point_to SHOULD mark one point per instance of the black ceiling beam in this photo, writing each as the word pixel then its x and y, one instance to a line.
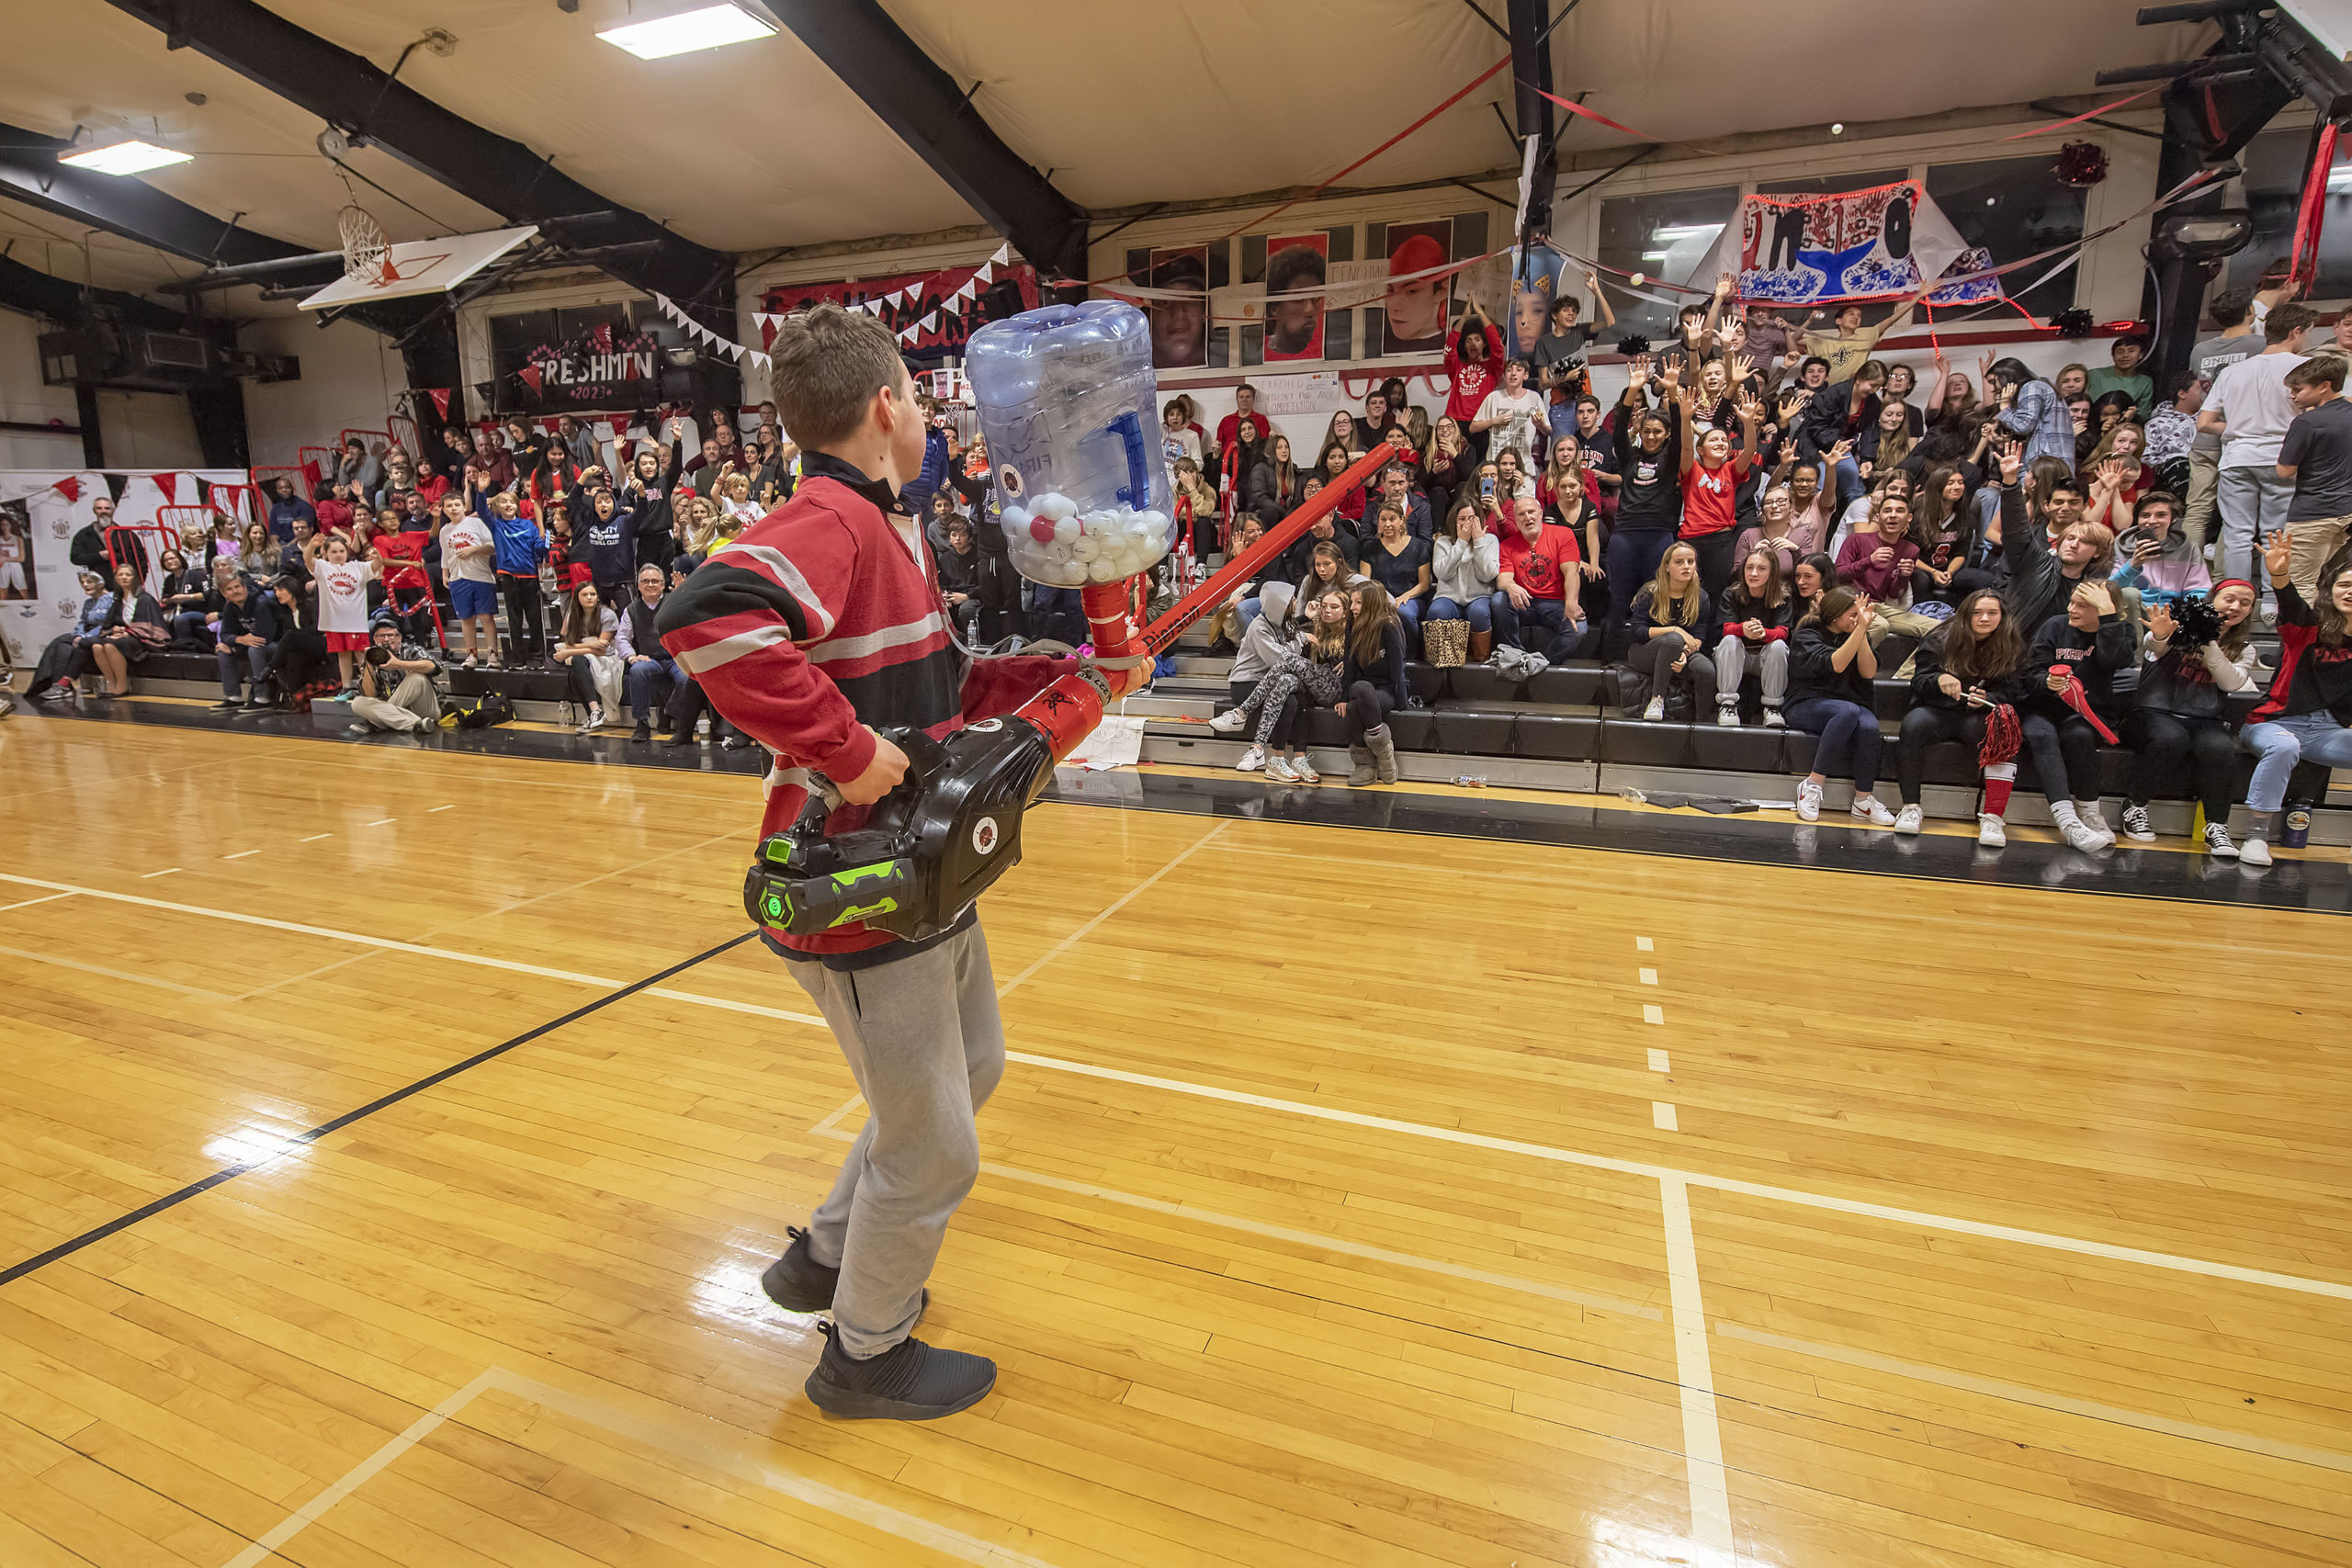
pixel 128 207
pixel 30 173
pixel 874 58
pixel 352 93
pixel 1531 61
pixel 37 293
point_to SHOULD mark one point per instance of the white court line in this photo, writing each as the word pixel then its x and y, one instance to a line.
pixel 1662 1116
pixel 136 980
pixel 316 837
pixel 1702 1438
pixel 1303 1238
pixel 1716 1183
pixel 1653 1013
pixel 28 902
pixel 1644 944
pixel 1659 1063
pixel 1649 976
pixel 2019 1393
pixel 1890 1212
pixel 1116 905
pixel 383 822
pixel 241 854
pixel 451 807
pixel 825 1129
pixel 712 1452
pixel 167 871
pixel 295 1522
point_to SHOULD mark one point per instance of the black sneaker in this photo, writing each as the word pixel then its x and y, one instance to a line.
pixel 798 1282
pixel 910 1381
pixel 228 704
pixel 641 735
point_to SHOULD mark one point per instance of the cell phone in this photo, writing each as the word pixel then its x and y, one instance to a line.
pixel 1486 490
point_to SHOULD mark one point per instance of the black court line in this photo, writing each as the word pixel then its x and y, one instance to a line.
pixel 230 1173
pixel 2179 876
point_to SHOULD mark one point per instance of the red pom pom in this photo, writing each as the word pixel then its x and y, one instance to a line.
pixel 1042 530
pixel 2082 163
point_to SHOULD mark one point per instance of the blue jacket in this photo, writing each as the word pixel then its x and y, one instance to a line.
pixel 520 547
pixel 2040 415
pixel 917 492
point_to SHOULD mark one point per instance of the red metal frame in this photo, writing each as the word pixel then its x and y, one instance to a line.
pixel 175 519
pixel 261 485
pixel 155 552
pixel 240 502
pixel 414 444
pixel 317 472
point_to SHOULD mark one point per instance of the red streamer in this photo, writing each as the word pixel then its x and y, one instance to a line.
pixel 1590 114
pixel 1460 94
pixel 2308 218
pixel 2078 120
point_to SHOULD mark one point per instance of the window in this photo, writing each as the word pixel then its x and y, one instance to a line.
pixel 1667 236
pixel 2274 191
pixel 2015 208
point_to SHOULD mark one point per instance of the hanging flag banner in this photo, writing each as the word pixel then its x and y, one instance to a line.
pixel 926 310
pixel 1888 242
pixel 440 396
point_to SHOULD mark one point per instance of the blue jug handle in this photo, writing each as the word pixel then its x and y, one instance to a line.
pixel 1128 428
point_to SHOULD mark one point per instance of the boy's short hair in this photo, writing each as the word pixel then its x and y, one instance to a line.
pixel 2288 322
pixel 2319 370
pixel 2158 498
pixel 1810 361
pixel 2229 307
pixel 829 363
pixel 1521 363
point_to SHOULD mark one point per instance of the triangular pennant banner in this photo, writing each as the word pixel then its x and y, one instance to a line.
pixel 530 374
pixel 440 396
pixel 170 485
pixel 988 270
pixel 70 487
pixel 759 359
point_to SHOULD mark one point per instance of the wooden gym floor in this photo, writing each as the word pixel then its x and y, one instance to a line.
pixel 1339 1207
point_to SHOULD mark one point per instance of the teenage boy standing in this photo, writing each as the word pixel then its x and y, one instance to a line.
pixel 819 624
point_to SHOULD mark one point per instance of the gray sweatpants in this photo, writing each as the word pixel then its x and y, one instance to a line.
pixel 924 1040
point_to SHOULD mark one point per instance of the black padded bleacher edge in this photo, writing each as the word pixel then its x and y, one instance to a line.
pixel 1477 711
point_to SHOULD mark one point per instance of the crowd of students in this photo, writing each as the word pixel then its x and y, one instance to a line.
pixel 1759 524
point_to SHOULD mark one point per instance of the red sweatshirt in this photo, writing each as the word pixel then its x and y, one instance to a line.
pixel 821 618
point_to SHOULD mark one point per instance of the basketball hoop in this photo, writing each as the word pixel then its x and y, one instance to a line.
pixel 367 255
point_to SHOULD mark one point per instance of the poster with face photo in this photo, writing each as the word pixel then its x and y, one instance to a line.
pixel 1180 329
pixel 1294 327
pixel 1417 309
pixel 1535 284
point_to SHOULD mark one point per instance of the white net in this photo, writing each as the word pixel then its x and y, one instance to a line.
pixel 364 246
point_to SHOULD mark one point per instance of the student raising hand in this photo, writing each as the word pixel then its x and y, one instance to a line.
pixel 2276 550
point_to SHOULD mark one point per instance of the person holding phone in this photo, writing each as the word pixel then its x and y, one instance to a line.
pixel 1830 670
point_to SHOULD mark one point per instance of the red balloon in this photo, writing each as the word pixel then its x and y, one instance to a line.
pixel 1042 530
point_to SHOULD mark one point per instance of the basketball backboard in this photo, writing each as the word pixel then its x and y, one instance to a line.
pixel 424 266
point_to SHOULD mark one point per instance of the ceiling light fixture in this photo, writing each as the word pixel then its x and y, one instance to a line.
pixel 124 158
pixel 708 27
pixel 1672 231
pixel 1657 255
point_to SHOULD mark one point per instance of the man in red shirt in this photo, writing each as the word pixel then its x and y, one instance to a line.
pixel 819 625
pixel 1245 406
pixel 1535 603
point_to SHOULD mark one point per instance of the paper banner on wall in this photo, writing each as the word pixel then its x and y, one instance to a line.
pixel 1883 242
pixel 170 485
pixel 530 374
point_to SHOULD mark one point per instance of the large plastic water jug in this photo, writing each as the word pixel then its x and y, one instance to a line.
pixel 1069 406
